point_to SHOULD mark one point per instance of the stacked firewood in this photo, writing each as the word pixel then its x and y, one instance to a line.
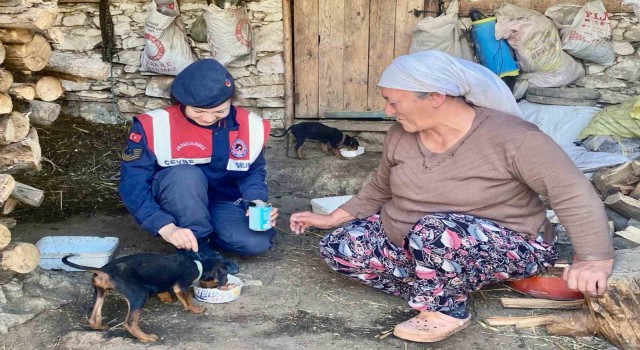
pixel 27 95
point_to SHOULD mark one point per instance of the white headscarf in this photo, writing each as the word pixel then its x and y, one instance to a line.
pixel 436 71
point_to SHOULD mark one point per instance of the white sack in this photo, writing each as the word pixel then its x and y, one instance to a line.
pixel 442 33
pixel 166 48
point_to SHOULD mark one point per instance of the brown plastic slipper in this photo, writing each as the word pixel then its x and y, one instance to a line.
pixel 429 327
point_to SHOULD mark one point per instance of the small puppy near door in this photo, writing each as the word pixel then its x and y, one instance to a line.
pixel 332 139
pixel 139 275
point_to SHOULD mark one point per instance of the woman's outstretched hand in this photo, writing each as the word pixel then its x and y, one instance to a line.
pixel 299 222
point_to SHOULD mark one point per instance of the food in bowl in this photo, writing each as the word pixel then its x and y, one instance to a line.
pixel 210 292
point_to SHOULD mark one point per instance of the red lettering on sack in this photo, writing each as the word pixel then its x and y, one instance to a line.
pixel 159 47
pixel 240 34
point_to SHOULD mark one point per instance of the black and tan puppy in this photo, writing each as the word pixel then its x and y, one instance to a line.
pixel 139 275
pixel 332 139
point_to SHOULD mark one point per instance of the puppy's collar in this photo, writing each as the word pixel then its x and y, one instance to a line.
pixel 199 265
pixel 344 136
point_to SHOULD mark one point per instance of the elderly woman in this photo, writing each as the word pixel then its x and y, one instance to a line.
pixel 455 203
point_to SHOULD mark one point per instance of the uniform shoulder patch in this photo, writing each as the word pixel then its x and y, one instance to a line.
pixel 130 154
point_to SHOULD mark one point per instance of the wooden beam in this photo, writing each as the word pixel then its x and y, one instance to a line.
pixel 487 7
pixel 288 63
pixel 524 303
pixel 357 115
pixel 350 125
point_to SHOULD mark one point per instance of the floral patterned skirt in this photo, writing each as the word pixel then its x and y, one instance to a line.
pixel 444 257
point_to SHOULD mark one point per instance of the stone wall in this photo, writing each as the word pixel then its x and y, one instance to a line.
pixel 260 86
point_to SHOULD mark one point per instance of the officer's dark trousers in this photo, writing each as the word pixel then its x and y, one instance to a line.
pixel 182 191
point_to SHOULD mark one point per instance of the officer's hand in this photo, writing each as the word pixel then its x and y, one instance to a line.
pixel 589 277
pixel 181 238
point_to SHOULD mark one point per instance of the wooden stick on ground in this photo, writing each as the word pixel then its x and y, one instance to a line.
pixel 524 303
pixel 7 130
pixel 23 155
pixel 43 113
pixel 6 105
pixel 7 186
pixel 5 236
pixel 22 91
pixel 48 89
pixel 6 79
pixel 9 205
pixel 19 257
pixel 21 124
pixel 27 194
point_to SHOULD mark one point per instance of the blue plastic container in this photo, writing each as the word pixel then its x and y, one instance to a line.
pixel 493 54
pixel 260 216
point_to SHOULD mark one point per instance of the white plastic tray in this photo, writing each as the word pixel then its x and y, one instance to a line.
pixel 326 205
pixel 89 250
pixel 217 296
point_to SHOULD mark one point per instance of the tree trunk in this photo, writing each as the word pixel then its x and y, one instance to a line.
pixel 23 91
pixel 20 258
pixel 6 79
pixel 21 124
pixel 27 194
pixel 5 236
pixel 6 105
pixel 9 205
pixel 16 35
pixel 72 64
pixel 48 89
pixel 23 155
pixel 32 56
pixel 7 186
pixel 32 18
pixel 7 130
pixel 43 113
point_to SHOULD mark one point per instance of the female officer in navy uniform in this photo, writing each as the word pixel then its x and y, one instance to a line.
pixel 186 167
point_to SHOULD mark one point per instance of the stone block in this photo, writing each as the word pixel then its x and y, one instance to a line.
pixel 95 112
pixel 261 91
pixel 270 102
pixel 127 90
pixel 269 37
pixel 632 34
pixel 612 97
pixel 239 72
pixel 73 42
pixel 139 17
pixel 617 34
pixel 133 43
pixel 131 57
pixel 600 82
pixel 121 28
pixel 85 31
pixel 68 85
pixel 623 48
pixel 269 6
pixel 76 19
pixel 126 106
pixel 271 65
pixel 260 80
pixel 594 68
pixel 159 86
pixel 627 69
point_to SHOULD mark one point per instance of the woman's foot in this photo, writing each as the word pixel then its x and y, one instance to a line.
pixel 429 327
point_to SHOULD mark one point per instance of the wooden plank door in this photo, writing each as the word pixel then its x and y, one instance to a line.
pixel 341 48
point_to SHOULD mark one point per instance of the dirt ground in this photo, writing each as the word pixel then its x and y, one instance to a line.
pixel 291 300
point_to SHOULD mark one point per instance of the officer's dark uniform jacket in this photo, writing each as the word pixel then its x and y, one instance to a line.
pixel 229 153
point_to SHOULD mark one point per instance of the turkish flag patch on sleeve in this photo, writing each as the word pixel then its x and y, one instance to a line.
pixel 135 137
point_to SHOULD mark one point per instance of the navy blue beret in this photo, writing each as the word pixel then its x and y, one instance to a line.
pixel 203 84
